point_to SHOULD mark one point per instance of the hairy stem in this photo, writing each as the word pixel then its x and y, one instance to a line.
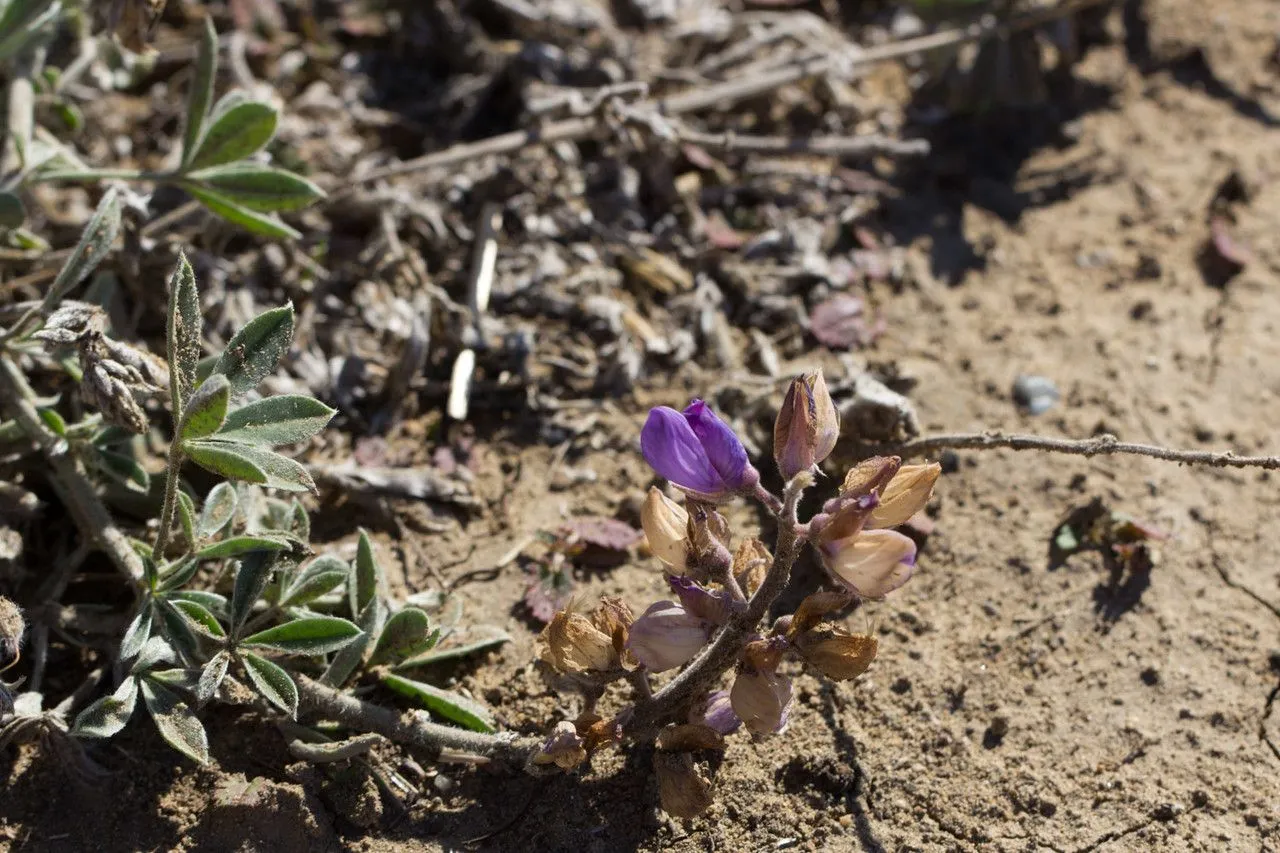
pixel 70 482
pixel 507 748
pixel 714 660
pixel 170 507
pixel 1101 445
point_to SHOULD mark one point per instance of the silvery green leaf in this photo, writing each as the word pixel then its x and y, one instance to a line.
pixel 175 720
pixel 95 242
pixel 272 682
pixel 154 651
pixel 12 213
pixel 367 578
pixel 252 577
pixel 201 95
pixel 316 635
pixel 137 634
pixel 219 509
pixel 346 661
pixel 211 676
pixel 211 601
pixel 256 187
pixel 184 330
pixel 320 576
pixel 250 464
pixel 299 521
pixel 174 576
pixel 121 468
pixel 178 628
pixel 237 129
pixel 287 419
pixel 206 409
pixel 253 352
pixel 199 617
pixel 262 224
pixel 406 633
pixel 237 545
pixel 444 703
pixel 22 21
pixel 454 652
pixel 109 715
pixel 187 516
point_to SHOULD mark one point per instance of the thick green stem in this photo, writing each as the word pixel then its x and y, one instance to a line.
pixel 68 479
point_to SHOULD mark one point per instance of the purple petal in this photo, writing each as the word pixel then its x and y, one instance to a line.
pixel 672 449
pixel 722 447
pixel 873 563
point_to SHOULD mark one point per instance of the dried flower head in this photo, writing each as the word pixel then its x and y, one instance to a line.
pixel 905 495
pixel 666 525
pixel 682 790
pixel 564 748
pixel 871 563
pixel 807 426
pixel 835 652
pixel 667 636
pixel 12 627
pixel 574 643
pixel 761 700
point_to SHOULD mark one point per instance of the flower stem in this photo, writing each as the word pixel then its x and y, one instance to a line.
pixel 715 659
pixel 170 506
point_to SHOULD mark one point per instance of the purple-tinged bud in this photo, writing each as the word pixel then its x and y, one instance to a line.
pixel 710 605
pixel 565 748
pixel 697 451
pixel 666 636
pixel 717 714
pixel 807 426
pixel 761 700
pixel 872 563
pixel 708 540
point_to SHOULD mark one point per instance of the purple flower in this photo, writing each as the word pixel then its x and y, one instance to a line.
pixel 696 450
pixel 717 714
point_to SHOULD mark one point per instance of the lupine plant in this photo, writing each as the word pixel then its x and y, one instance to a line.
pixel 711 625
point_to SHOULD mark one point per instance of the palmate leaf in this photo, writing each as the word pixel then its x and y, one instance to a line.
pixel 445 703
pixel 272 682
pixel 254 351
pixel 253 186
pixel 184 330
pixel 175 720
pixel 287 419
pixel 314 635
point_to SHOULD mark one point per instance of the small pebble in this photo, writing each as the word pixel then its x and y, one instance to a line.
pixel 1035 394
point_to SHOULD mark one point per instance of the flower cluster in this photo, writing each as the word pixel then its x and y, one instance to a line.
pixel 719 592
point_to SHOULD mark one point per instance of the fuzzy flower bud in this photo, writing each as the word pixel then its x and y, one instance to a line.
pixel 871 563
pixel 807 426
pixel 836 653
pixel 717 714
pixel 666 636
pixel 905 495
pixel 761 700
pixel 696 451
pixel 564 748
pixel 666 525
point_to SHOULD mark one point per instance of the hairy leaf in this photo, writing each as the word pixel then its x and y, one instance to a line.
pixel 175 720
pixel 254 351
pixel 137 634
pixel 219 508
pixel 276 420
pixel 211 601
pixel 95 243
pixel 406 633
pixel 315 635
pixel 321 576
pixel 154 651
pixel 174 576
pixel 237 545
pixel 262 224
pixel 445 703
pixel 109 715
pixel 200 618
pixel 251 581
pixel 123 469
pixel 256 187
pixel 206 410
pixel 183 331
pixel 272 682
pixel 211 676
pixel 454 652
pixel 237 129
pixel 368 575
pixel 346 661
pixel 201 95
pixel 250 464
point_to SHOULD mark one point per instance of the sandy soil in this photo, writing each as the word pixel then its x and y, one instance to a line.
pixel 1015 705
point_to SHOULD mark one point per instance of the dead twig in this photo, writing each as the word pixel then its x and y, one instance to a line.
pixel 1101 445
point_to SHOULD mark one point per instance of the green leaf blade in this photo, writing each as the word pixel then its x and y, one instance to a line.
pixel 237 129
pixel 95 242
pixel 287 419
pixel 252 186
pixel 407 633
pixel 175 721
pixel 253 352
pixel 184 329
pixel 275 685
pixel 321 576
pixel 261 224
pixel 238 545
pixel 218 510
pixel 206 410
pixel 444 703
pixel 110 714
pixel 250 463
pixel 201 95
pixel 314 635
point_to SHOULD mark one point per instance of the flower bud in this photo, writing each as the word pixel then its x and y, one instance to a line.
pixel 836 653
pixel 573 644
pixel 717 714
pixel 709 605
pixel 761 700
pixel 666 525
pixel 696 451
pixel 871 563
pixel 807 426
pixel 905 495
pixel 709 539
pixel 564 748
pixel 666 636
pixel 682 790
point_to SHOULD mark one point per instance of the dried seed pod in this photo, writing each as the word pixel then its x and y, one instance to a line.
pixel 682 790
pixel 836 653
